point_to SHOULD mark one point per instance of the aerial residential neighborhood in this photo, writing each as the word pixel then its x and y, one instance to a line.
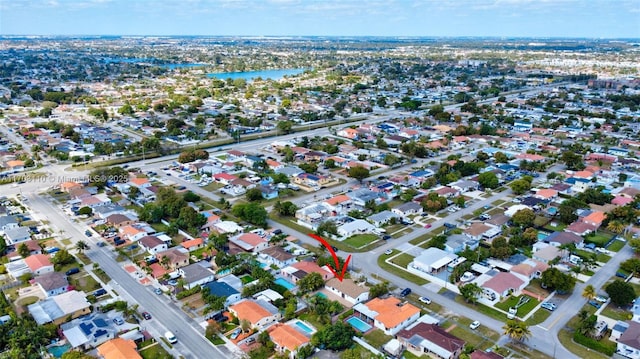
pixel 303 197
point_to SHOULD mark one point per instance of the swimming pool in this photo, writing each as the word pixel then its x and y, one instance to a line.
pixel 283 282
pixel 58 350
pixel 359 324
pixel 542 236
pixel 305 328
pixel 322 295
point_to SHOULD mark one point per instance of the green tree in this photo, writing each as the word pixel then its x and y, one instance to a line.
pixel 85 211
pixel 500 248
pixel 553 278
pixel 621 293
pixel 23 250
pixel 573 161
pixel 520 186
pixel 334 337
pixel 190 197
pixel 253 213
pixel 488 180
pixel 379 289
pixel 254 195
pixel 81 246
pixel 75 355
pixel 524 218
pixel 327 227
pixel 589 292
pixel 500 157
pixel 517 330
pixel 287 208
pixel 470 292
pixel 359 173
pixel 310 282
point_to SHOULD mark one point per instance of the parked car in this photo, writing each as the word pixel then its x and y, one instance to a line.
pixel 595 304
pixel 99 292
pixel 549 306
pixel 73 270
pixel 405 292
pixel 386 237
pixel 173 282
pixel 88 233
pixel 428 225
pixel 171 337
pixel 157 291
pixel 475 325
pixel 236 333
pixel 425 300
pixel 601 298
pixel 146 315
pixel 388 251
pixel 118 320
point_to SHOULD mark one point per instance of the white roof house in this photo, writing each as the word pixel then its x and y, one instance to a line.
pixel 432 260
pixel 356 227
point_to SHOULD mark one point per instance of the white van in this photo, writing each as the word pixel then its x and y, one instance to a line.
pixel 170 337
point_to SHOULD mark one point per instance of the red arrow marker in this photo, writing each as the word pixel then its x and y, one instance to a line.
pixel 335 271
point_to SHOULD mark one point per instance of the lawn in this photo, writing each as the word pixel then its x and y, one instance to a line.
pixel 617 245
pixel 377 338
pixel 155 352
pixel 426 237
pixel 246 279
pixel 399 272
pixel 483 309
pixel 160 227
pixel 471 338
pixel 86 283
pixel 534 287
pixel 538 317
pixel 600 238
pixel 613 312
pixel 360 240
pixel 102 275
pixel 512 301
pixel 558 227
pixel 409 355
pixel 403 260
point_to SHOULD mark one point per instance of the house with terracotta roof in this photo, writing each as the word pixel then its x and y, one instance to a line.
pixel 349 133
pixel 432 340
pixel 530 269
pixel 68 186
pixel 299 270
pixel 139 182
pixel 15 165
pixel 39 264
pixel 261 314
pixel 224 178
pixel 595 218
pixel 546 194
pixel 348 290
pixel 389 314
pixel 287 338
pixel 132 233
pixel 152 244
pixel 503 284
pixel 530 157
pixel 119 348
pixel 193 244
pixel 250 242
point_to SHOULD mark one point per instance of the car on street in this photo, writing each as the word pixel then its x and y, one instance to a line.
pixel 146 315
pixel 549 306
pixel 99 292
pixel 335 249
pixel 428 225
pixel 157 291
pixel 405 292
pixel 118 320
pixel 601 298
pixel 388 251
pixel 386 237
pixel 425 300
pixel 171 337
pixel 474 325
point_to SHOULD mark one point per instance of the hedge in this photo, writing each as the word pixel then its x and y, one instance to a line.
pixel 605 348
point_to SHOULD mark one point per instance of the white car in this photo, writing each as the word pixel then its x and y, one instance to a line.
pixel 388 251
pixel 474 325
pixel 425 300
pixel 171 337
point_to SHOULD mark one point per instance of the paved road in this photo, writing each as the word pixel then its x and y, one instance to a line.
pixel 166 315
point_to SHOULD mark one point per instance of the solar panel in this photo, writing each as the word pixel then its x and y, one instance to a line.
pixel 86 328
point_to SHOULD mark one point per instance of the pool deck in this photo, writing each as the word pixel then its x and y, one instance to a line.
pixel 332 296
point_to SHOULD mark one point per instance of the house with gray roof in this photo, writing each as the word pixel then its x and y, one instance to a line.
pixel 89 331
pixel 358 226
pixel 52 283
pixel 7 222
pixel 381 218
pixel 195 274
pixel 407 209
pixel 361 196
pixel 457 243
pixel 17 235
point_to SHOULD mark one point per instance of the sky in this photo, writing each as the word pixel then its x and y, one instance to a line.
pixel 430 18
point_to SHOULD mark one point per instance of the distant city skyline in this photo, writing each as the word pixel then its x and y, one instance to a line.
pixel 428 18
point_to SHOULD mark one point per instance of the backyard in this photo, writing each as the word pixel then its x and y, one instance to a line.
pixel 360 240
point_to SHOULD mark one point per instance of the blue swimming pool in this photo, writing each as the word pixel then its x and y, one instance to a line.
pixel 304 327
pixel 58 350
pixel 283 282
pixel 322 295
pixel 542 236
pixel 359 324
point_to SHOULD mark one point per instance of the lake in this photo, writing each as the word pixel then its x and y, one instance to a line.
pixel 250 75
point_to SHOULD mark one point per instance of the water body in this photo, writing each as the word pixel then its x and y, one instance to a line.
pixel 250 75
pixel 150 62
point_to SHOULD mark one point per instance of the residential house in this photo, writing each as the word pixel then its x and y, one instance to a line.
pixel 479 230
pixel 223 290
pixel 432 260
pixel 465 185
pixel 7 222
pixel 175 258
pixel 348 290
pixel 52 283
pixel 447 192
pixel 287 339
pixel 259 313
pixel 69 186
pixel 349 133
pixel 119 348
pixel 277 256
pixel 39 264
pixel 152 244
pixel 89 331
pixel 381 218
pixel 408 209
pixel 560 238
pixel 629 342
pixel 250 242
pixel 479 354
pixel 313 181
pixel 132 233
pixel 195 274
pixel 432 340
pixel 361 196
pixel 530 269
pixel 17 235
pixel 389 314
pixel 457 243
pixel 118 220
pixel 503 284
pixel 59 308
pixel 269 192
pixel 635 309
pixel 193 244
pixel 311 216
pixel 299 270
pixel 546 194
pixel 357 226
pixel 550 253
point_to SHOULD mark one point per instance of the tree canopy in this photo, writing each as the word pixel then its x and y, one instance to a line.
pixel 621 293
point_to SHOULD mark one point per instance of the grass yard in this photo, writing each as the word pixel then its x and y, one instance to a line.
pixel 600 238
pixel 403 260
pixel 471 338
pixel 557 227
pixel 616 246
pixel 155 352
pixel 538 317
pixel 512 301
pixel 425 237
pixel 160 227
pixel 246 279
pixel 483 309
pixel 86 284
pixel 360 240
pixel 377 338
pixel 102 275
pixel 399 272
pixel 613 312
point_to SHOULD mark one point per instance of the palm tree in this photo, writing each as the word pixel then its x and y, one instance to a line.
pixel 81 246
pixel 615 227
pixel 517 330
pixel 589 292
